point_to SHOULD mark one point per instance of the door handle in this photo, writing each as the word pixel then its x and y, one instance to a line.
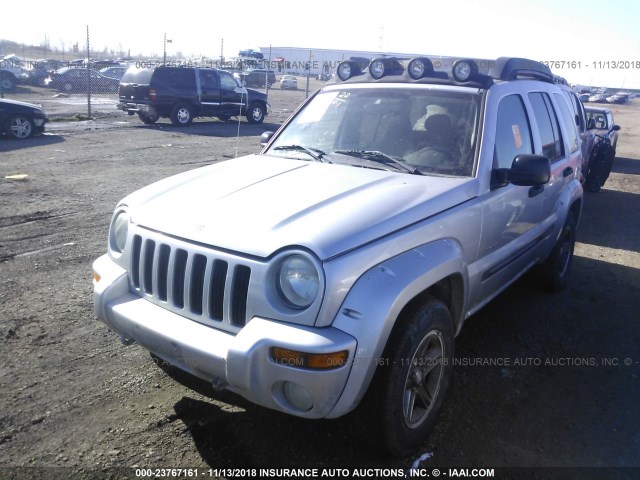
pixel 535 191
pixel 567 171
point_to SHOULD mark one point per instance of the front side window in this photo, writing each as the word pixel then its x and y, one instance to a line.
pixel 430 130
pixel 513 134
pixel 227 82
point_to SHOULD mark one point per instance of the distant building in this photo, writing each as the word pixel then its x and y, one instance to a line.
pixel 321 61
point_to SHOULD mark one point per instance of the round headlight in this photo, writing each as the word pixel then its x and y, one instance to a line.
pixel 119 229
pixel 463 70
pixel 376 69
pixel 298 281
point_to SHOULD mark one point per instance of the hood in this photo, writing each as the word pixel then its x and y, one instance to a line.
pixel 21 104
pixel 259 204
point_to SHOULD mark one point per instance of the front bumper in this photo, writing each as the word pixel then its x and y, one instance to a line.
pixel 240 363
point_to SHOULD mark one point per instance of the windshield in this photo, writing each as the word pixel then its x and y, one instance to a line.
pixel 433 131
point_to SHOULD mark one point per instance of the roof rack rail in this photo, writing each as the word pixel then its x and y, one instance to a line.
pixel 508 68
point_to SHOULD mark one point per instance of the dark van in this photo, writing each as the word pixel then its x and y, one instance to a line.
pixel 183 93
pixel 258 78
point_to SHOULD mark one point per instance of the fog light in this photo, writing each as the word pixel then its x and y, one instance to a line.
pixel 297 396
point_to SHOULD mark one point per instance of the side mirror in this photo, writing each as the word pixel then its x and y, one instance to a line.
pixel 530 170
pixel 526 170
pixel 265 138
pixel 615 128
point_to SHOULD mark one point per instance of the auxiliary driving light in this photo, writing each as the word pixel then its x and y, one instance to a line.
pixel 464 70
pixel 348 69
pixel 419 67
pixel 377 68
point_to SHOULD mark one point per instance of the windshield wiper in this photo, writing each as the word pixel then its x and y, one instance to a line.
pixel 314 153
pixel 379 157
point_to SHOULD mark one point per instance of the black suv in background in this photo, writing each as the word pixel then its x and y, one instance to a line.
pixel 258 78
pixel 183 93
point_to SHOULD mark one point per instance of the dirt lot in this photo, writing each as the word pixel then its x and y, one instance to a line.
pixel 73 397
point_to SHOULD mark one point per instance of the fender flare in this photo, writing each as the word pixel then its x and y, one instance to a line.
pixel 376 300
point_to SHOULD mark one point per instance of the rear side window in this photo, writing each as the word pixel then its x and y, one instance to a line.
pixel 569 122
pixel 176 78
pixel 137 75
pixel 552 146
pixel 513 134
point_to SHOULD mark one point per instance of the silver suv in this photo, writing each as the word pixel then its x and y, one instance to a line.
pixel 336 267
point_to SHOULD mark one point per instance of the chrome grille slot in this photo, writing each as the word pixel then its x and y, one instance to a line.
pixel 190 280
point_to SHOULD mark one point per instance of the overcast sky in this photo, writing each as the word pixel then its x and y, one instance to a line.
pixel 601 38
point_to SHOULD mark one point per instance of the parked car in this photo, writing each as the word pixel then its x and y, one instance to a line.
pixel 72 79
pixel 586 136
pixel 41 70
pixel 258 78
pixel 598 98
pixel 114 72
pixel 600 122
pixel 12 73
pixel 288 82
pixel 21 120
pixel 336 267
pixel 183 93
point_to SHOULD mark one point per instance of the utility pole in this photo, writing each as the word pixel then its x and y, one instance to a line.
pixel 88 76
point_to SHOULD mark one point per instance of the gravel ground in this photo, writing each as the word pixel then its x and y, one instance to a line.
pixel 76 403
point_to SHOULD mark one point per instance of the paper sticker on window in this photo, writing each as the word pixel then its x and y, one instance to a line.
pixel 517 139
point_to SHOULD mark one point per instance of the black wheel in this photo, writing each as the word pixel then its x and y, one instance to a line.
pixel 553 274
pixel 7 83
pixel 593 183
pixel 19 126
pixel 182 115
pixel 148 119
pixel 256 113
pixel 410 384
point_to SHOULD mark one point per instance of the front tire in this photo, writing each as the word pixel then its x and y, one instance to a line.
pixel 182 115
pixel 408 390
pixel 256 113
pixel 19 127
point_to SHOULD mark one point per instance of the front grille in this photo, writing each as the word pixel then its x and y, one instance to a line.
pixel 191 281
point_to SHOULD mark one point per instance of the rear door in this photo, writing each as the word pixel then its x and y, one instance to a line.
pixel 557 139
pixel 209 91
